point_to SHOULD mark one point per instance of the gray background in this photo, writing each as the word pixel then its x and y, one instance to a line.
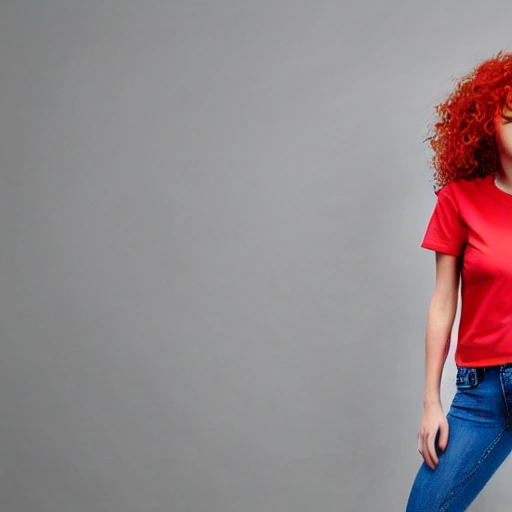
pixel 212 292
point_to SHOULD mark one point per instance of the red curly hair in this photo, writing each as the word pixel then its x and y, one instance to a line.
pixel 463 139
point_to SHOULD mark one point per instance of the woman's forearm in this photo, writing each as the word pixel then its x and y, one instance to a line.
pixel 441 315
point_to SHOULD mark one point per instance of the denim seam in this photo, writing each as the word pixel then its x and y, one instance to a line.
pixel 462 483
pixel 504 396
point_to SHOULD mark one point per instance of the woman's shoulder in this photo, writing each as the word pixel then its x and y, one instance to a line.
pixel 464 187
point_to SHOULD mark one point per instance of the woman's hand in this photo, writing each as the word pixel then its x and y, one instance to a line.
pixel 433 421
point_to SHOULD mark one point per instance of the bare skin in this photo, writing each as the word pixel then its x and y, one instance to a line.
pixel 441 315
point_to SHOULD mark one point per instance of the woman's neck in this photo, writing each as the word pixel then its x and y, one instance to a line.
pixel 503 181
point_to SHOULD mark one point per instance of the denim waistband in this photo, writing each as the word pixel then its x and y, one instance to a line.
pixel 471 375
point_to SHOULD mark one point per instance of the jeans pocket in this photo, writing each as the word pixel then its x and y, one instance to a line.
pixel 468 377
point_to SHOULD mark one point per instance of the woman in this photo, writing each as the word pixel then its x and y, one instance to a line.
pixel 470 231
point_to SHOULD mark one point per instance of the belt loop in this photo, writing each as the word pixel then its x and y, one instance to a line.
pixel 469 377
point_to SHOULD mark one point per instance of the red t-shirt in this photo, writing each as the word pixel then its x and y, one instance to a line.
pixel 473 220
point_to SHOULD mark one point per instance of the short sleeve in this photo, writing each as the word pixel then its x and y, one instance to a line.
pixel 445 232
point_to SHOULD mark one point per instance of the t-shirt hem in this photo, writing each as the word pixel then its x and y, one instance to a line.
pixel 494 361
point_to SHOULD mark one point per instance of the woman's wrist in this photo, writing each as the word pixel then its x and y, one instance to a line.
pixel 431 402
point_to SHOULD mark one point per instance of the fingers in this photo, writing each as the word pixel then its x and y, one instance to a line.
pixel 427 447
pixel 431 449
pixel 423 448
pixel 443 435
pixel 433 436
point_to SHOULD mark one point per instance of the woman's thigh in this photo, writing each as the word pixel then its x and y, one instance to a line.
pixel 479 441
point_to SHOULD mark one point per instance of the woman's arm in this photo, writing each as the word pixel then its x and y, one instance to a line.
pixel 441 315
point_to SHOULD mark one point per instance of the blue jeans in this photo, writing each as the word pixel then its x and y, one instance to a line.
pixel 479 440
